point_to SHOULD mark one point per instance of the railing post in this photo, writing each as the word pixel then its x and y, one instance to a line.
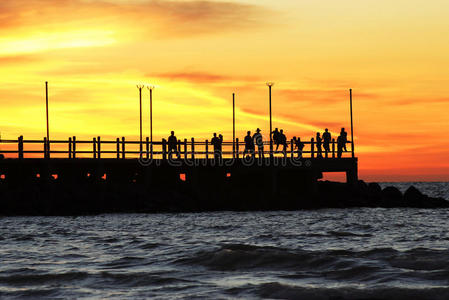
pixel 312 145
pixel 147 146
pixel 207 150
pixel 178 146
pixel 185 148
pixel 94 146
pixel 151 149
pixel 45 148
pixel 118 148
pixel 99 148
pixel 164 149
pixel 20 146
pixel 352 148
pixel 291 148
pixel 74 146
pixel 70 147
pixel 333 148
pixel 123 147
pixel 193 148
pixel 48 148
pixel 237 154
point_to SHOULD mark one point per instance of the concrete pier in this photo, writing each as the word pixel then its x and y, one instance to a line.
pixel 277 183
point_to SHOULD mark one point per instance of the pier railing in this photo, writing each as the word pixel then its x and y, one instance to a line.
pixel 120 148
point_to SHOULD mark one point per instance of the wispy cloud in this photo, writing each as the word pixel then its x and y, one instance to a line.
pixel 16 59
pixel 159 18
pixel 417 101
pixel 323 96
pixel 202 77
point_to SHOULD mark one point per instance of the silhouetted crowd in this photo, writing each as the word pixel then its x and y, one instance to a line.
pixel 322 141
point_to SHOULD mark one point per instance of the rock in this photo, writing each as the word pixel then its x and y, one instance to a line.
pixel 374 194
pixel 392 197
pixel 413 197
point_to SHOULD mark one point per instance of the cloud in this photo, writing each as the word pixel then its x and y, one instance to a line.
pixel 201 77
pixel 158 18
pixel 17 59
pixel 427 100
pixel 198 77
pixel 323 96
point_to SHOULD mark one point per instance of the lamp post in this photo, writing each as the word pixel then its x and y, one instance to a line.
pixel 140 87
pixel 151 88
pixel 233 125
pixel 47 154
pixel 352 126
pixel 270 84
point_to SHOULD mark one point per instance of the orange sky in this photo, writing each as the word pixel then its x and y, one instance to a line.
pixel 393 54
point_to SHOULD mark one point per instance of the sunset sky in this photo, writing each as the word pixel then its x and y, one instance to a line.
pixel 393 54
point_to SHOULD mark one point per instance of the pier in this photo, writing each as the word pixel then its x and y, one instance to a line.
pixel 75 176
pixel 58 156
pixel 94 176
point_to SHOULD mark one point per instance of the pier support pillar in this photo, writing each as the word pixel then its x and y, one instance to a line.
pixel 352 176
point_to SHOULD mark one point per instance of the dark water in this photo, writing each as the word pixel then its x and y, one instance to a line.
pixel 322 254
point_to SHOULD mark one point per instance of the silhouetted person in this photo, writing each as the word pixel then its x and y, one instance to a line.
pixel 275 136
pixel 340 145
pixel 319 151
pixel 344 136
pixel 216 142
pixel 173 144
pixel 220 136
pixel 326 141
pixel 299 145
pixel 249 144
pixel 220 145
pixel 283 141
pixel 258 140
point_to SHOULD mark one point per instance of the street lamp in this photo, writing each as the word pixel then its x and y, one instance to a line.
pixel 140 87
pixel 47 146
pixel 270 84
pixel 233 125
pixel 352 126
pixel 151 88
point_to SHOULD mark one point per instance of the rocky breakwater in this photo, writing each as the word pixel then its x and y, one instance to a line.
pixel 362 194
pixel 54 197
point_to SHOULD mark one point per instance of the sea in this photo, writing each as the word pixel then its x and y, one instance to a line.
pixel 359 253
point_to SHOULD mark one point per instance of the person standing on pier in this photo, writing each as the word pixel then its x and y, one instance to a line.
pixel 326 141
pixel 249 144
pixel 299 145
pixel 220 146
pixel 258 140
pixel 275 136
pixel 340 145
pixel 318 146
pixel 344 136
pixel 173 144
pixel 217 142
pixel 283 141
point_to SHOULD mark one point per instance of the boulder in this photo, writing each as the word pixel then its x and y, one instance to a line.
pixel 392 197
pixel 374 194
pixel 414 198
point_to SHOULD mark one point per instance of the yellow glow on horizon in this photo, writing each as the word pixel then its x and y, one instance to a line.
pixel 56 40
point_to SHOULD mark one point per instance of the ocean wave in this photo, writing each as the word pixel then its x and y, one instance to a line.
pixel 242 256
pixel 276 290
pixel 124 262
pixel 337 264
pixel 38 279
pixel 138 279
pixel 347 233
